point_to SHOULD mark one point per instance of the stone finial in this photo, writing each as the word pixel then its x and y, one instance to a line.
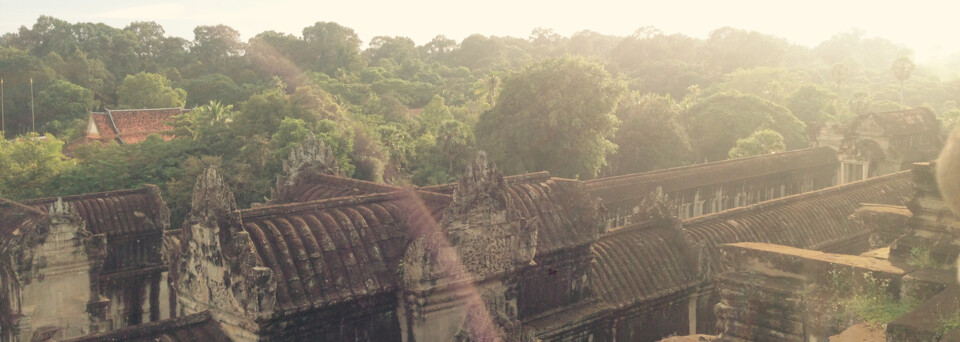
pixel 212 198
pixel 312 155
pixel 656 206
pixel 62 212
pixel 59 208
pixel 482 186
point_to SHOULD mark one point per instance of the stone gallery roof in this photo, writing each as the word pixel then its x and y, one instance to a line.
pixel 197 327
pixel 16 221
pixel 131 126
pixel 567 218
pixel 115 213
pixel 521 178
pixel 556 201
pixel 633 186
pixel 320 186
pixel 642 262
pixel 338 249
pixel 559 204
pixel 331 251
pixel 901 122
pixel 815 220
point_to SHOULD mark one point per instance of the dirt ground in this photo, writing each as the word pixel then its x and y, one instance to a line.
pixel 862 332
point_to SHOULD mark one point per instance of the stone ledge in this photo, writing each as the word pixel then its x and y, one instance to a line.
pixel 923 323
pixel 784 261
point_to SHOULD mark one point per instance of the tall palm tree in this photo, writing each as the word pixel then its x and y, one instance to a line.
pixel 839 74
pixel 902 67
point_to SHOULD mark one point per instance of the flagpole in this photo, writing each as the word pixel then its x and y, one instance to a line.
pixel 2 121
pixel 33 114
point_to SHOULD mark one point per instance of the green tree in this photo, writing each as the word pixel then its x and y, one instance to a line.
pixel 435 113
pixel 150 43
pixel 212 87
pixel 811 103
pixel 715 124
pixel 902 68
pixel 455 142
pixel 556 115
pixel 443 157
pixel 438 48
pixel 764 141
pixel 650 136
pixel 148 90
pixel 28 164
pixel 18 68
pixel 839 73
pixel 203 121
pixel 215 44
pixel 398 49
pixel 733 49
pixel 331 49
pixel 64 101
pixel 769 83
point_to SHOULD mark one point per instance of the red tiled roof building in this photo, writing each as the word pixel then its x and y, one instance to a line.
pixel 131 126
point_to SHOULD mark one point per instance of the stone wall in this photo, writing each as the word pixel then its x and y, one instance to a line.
pixel 55 277
pixel 934 229
pixel 776 293
pixel 132 278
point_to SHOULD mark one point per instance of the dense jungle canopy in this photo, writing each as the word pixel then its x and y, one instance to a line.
pixel 584 106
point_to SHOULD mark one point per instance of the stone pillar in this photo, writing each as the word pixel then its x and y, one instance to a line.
pixel 692 314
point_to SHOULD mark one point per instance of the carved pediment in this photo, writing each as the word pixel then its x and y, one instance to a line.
pixel 311 156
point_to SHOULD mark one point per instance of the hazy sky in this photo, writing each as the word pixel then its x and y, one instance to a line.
pixel 925 26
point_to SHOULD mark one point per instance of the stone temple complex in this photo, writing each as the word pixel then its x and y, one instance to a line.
pixel 738 250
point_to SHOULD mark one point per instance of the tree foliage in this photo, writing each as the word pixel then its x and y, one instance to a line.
pixel 63 101
pixel 811 103
pixel 650 136
pixel 556 115
pixel 715 124
pixel 149 90
pixel 524 99
pixel 764 141
pixel 28 164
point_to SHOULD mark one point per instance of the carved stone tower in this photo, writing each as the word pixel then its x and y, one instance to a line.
pixel 459 281
pixel 215 268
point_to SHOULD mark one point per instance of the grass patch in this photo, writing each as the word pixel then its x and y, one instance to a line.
pixel 949 323
pixel 920 257
pixel 873 302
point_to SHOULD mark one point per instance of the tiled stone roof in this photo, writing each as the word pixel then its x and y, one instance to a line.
pixel 642 262
pixel 816 220
pixel 321 186
pixel 567 217
pixel 559 203
pixel 331 251
pixel 16 222
pixel 116 213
